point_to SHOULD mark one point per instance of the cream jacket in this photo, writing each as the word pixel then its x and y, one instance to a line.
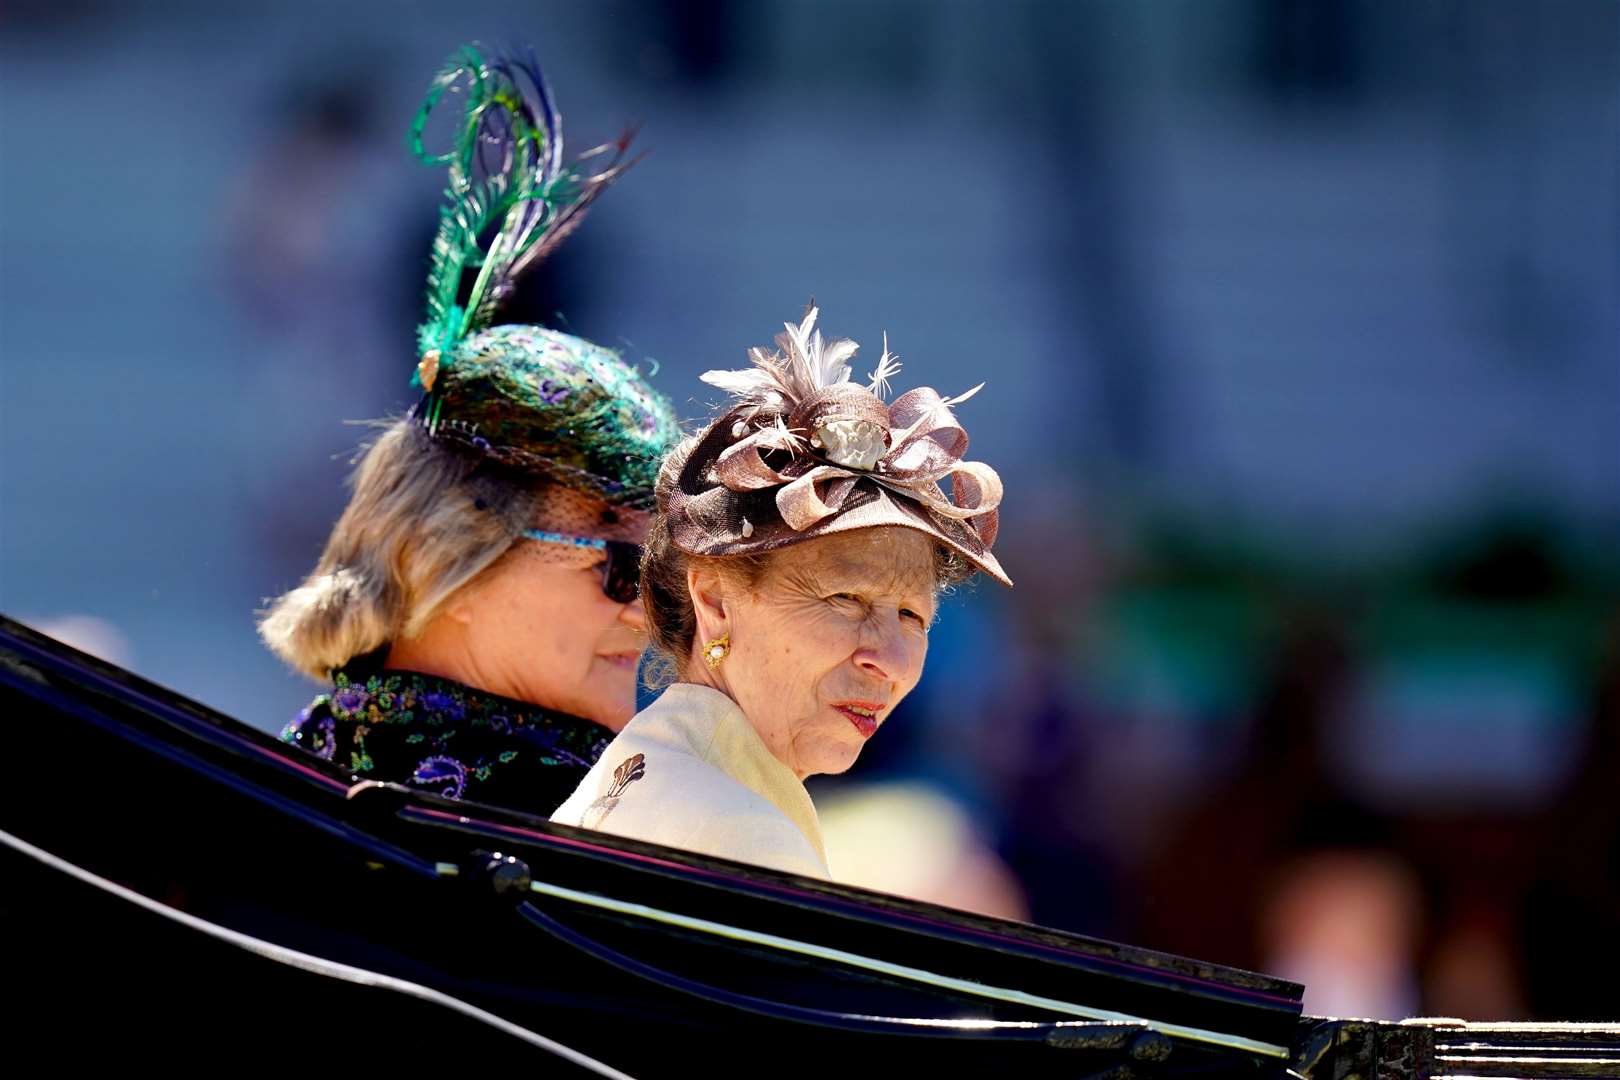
pixel 689 771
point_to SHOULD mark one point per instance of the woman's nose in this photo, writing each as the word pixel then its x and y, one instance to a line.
pixel 885 653
pixel 634 614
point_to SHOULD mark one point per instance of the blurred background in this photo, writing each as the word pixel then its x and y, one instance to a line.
pixel 1301 327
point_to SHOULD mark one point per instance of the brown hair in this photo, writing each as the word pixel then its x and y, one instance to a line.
pixel 424 521
pixel 671 619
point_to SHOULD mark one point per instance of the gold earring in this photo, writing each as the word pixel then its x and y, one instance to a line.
pixel 716 650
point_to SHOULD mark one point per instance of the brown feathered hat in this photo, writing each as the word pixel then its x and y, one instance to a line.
pixel 804 452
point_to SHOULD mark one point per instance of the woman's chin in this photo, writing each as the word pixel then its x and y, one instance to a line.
pixel 835 759
pixel 610 715
pixel 612 693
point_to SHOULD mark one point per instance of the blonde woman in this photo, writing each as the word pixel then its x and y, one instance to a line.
pixel 475 608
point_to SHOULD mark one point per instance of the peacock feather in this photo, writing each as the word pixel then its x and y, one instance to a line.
pixel 509 199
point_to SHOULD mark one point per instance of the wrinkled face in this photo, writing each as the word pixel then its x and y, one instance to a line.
pixel 826 644
pixel 543 631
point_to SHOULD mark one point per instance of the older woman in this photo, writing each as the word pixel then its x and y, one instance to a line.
pixel 791 575
pixel 475 608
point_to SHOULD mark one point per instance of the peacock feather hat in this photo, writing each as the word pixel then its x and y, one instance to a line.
pixel 528 397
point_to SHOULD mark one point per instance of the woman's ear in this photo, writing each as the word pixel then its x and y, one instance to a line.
pixel 707 588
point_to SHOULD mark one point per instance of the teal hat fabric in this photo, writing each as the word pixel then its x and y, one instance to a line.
pixel 543 401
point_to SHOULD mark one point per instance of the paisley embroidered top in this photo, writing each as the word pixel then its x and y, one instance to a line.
pixel 450 739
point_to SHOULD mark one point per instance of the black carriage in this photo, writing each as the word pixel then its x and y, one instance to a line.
pixel 183 889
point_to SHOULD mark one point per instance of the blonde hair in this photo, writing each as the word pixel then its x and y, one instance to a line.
pixel 424 520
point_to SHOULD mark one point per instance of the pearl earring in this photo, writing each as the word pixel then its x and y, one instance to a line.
pixel 716 650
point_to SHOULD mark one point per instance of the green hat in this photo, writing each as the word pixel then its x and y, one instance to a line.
pixel 528 397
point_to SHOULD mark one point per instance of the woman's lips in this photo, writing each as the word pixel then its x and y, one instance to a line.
pixel 856 713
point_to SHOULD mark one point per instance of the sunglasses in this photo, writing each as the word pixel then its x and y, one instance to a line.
pixel 621 570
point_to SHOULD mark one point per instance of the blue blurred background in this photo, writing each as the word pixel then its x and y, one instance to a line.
pixel 1299 320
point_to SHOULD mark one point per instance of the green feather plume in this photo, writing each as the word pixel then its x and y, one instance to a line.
pixel 509 198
